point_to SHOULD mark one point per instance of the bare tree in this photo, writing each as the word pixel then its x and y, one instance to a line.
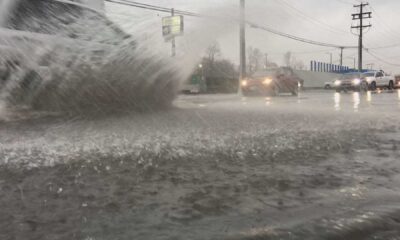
pixel 287 58
pixel 213 51
pixel 298 64
pixel 255 59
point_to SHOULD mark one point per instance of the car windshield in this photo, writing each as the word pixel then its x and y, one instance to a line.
pixel 349 76
pixel 199 120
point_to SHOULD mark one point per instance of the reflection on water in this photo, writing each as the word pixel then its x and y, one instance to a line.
pixel 337 101
pixel 398 94
pixel 268 101
pixel 369 96
pixel 356 101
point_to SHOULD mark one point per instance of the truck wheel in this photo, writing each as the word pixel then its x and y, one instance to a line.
pixel 373 86
pixel 391 85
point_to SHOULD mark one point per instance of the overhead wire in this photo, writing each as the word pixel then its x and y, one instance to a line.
pixel 374 55
pixel 251 24
pixel 257 26
pixel 311 19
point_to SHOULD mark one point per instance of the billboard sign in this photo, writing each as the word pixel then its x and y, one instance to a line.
pixel 172 26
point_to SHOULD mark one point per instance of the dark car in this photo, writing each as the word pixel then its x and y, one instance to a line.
pixel 352 82
pixel 272 82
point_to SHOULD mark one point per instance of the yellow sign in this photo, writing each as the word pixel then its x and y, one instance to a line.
pixel 172 26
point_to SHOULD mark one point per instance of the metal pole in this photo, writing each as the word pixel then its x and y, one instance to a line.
pixel 173 38
pixel 266 61
pixel 242 43
pixel 341 56
pixel 360 41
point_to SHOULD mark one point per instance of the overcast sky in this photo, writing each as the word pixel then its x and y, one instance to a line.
pixel 320 20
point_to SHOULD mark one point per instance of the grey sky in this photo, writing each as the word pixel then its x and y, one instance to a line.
pixel 321 20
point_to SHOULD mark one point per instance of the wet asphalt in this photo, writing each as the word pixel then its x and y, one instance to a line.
pixel 320 165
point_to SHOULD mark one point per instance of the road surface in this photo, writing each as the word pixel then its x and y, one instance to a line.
pixel 318 166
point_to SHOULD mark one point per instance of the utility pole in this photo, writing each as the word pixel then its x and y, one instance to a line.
pixel 173 50
pixel 361 16
pixel 341 56
pixel 242 43
pixel 330 61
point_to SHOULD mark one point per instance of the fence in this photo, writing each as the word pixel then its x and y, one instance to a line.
pixel 327 67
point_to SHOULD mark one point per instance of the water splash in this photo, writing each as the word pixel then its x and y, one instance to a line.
pixel 63 57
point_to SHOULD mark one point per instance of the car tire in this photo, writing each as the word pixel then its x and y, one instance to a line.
pixel 327 87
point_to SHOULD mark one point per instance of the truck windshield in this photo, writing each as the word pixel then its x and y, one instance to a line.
pixel 368 74
pixel 349 76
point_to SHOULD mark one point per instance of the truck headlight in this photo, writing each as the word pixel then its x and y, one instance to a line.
pixel 338 83
pixel 244 83
pixel 267 81
pixel 357 81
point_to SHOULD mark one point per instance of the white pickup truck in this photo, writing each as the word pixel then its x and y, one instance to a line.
pixel 379 79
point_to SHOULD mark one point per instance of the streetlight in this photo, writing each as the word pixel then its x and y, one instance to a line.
pixel 242 35
pixel 203 85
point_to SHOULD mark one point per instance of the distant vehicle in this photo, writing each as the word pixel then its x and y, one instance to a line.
pixel 272 82
pixel 192 85
pixel 329 85
pixel 352 82
pixel 379 79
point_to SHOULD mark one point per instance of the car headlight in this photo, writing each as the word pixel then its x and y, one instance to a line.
pixel 338 83
pixel 267 81
pixel 357 81
pixel 244 83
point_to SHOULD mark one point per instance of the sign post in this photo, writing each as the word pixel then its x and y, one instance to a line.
pixel 172 27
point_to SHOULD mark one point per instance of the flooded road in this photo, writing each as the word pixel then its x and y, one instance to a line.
pixel 318 166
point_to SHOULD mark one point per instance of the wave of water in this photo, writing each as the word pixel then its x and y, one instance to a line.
pixel 67 58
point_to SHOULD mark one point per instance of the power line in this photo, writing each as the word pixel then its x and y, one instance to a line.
pixel 152 7
pixel 251 24
pixel 389 32
pixel 311 19
pixel 380 59
pixel 300 39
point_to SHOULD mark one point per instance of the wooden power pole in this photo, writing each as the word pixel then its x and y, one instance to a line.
pixel 360 16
